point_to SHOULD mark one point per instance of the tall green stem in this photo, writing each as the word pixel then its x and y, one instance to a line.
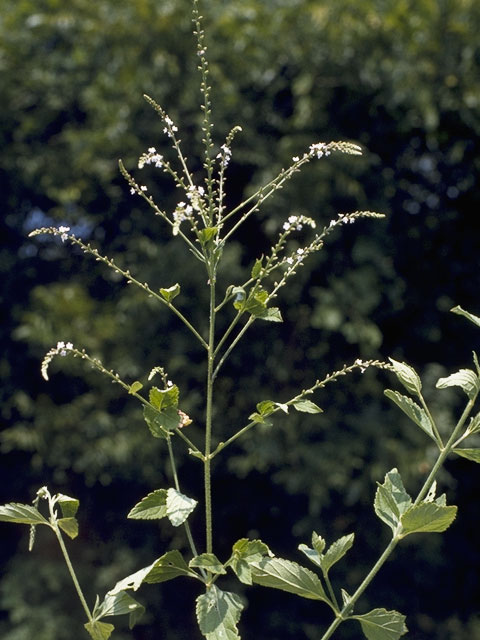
pixel 208 425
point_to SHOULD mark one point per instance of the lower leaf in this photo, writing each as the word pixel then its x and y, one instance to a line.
pixel 218 613
pixel 380 624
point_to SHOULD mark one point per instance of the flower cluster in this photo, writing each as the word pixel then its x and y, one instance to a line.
pixel 182 212
pixel 150 157
pixel 225 155
pixel 195 194
pixel 296 223
pixel 64 233
pixel 319 149
pixel 170 129
pixel 61 349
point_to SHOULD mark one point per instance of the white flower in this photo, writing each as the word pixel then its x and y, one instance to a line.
pixel 295 158
pixel 143 188
pixel 319 149
pixel 64 231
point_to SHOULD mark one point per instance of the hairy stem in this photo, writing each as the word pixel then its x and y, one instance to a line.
pixel 209 410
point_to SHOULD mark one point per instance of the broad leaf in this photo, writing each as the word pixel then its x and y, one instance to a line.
pixel 272 314
pixel 218 613
pixel 160 422
pixel 117 604
pixel 313 555
pixel 391 499
pixel 206 235
pixel 171 292
pixel 407 376
pixel 427 517
pixel 470 454
pixel 69 526
pixel 306 406
pixel 461 312
pixel 179 507
pixel 245 551
pixel 207 561
pixel 152 507
pixel 69 506
pixel 164 398
pixel 99 630
pixel 465 378
pixel 265 407
pixel 21 513
pixel 381 624
pixel 336 551
pixel 412 410
pixel 288 576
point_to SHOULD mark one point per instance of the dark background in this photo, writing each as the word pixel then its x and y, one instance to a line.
pixel 400 78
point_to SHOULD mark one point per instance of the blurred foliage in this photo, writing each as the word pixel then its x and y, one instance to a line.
pixel 399 77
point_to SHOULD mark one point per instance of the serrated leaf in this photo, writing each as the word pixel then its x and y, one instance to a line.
pixel 407 376
pixel 336 551
pixel 285 575
pixel 257 268
pixel 170 293
pixel 117 604
pixel 412 410
pixel 244 552
pixel 160 422
pixel 318 543
pixel 163 398
pixel 135 387
pixel 381 624
pixel 207 561
pixel 427 517
pixel 311 554
pixel 271 314
pixel 218 613
pixel 152 507
pixel 470 454
pixel 461 312
pixel 99 630
pixel 69 506
pixel 465 378
pixel 179 507
pixel 21 514
pixel 391 499
pixel 306 406
pixel 69 526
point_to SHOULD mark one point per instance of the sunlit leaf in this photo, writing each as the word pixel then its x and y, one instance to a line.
pixel 407 376
pixel 412 410
pixel 277 573
pixel 164 398
pixel 470 454
pixel 152 507
pixel 257 268
pixel 245 551
pixel 465 378
pixel 69 506
pixel 306 406
pixel 179 507
pixel 171 292
pixel 135 387
pixel 461 312
pixel 21 513
pixel 427 517
pixel 381 624
pixel 99 630
pixel 117 604
pixel 207 561
pixel 391 499
pixel 69 526
pixel 336 551
pixel 218 613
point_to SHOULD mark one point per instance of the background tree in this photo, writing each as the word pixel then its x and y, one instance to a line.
pixel 399 77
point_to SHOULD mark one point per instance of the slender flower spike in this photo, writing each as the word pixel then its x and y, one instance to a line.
pixel 61 349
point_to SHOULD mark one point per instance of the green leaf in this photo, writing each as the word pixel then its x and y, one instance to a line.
pixel 288 576
pixel 171 292
pixel 465 378
pixel 99 630
pixel 134 387
pixel 271 314
pixel 336 551
pixel 407 376
pixel 69 506
pixel 218 613
pixel 164 398
pixel 179 507
pixel 256 304
pixel 69 526
pixel 381 624
pixel 243 552
pixel 170 565
pixel 21 514
pixel 470 454
pixel 257 268
pixel 208 561
pixel 318 543
pixel 412 410
pixel 161 422
pixel 306 406
pixel 117 604
pixel 427 517
pixel 311 554
pixel 461 312
pixel 265 407
pixel 391 499
pixel 206 235
pixel 152 507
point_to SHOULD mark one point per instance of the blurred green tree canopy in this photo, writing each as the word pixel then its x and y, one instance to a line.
pixel 399 77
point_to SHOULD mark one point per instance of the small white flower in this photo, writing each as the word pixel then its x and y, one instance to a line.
pixel 295 158
pixel 319 149
pixel 132 191
pixel 289 260
pixel 143 188
pixel 64 231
